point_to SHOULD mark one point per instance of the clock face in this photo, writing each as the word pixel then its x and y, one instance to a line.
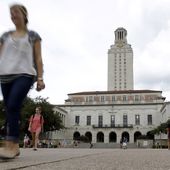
pixel 120 45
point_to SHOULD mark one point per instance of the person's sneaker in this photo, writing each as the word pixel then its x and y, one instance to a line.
pixel 7 154
pixel 10 150
pixel 35 149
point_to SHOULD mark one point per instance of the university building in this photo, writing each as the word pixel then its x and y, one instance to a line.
pixel 107 116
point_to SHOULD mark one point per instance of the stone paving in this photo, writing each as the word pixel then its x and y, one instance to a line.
pixel 90 159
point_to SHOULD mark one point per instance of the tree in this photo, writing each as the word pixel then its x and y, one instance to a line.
pixel 52 120
pixel 161 128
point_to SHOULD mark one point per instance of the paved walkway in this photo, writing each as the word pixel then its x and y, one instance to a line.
pixel 90 159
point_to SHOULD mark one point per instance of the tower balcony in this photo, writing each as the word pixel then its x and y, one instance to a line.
pixel 113 126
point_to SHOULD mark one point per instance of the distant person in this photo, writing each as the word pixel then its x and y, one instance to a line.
pixel 91 145
pixel 36 126
pixel 121 142
pixel 19 48
pixel 124 144
pixel 64 143
pixel 75 143
pixel 157 145
pixel 26 141
pixel 59 145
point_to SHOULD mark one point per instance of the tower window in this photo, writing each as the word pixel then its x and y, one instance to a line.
pixel 137 119
pixel 77 120
pixel 125 120
pixel 149 119
pixel 100 121
pixel 112 119
pixel 88 120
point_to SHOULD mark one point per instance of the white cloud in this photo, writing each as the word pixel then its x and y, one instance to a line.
pixel 151 67
pixel 77 34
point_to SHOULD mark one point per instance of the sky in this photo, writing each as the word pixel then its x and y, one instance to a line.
pixel 76 36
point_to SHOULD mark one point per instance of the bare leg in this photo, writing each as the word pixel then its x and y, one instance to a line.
pixel 36 139
pixel 33 139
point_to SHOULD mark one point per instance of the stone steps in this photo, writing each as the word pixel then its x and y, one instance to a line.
pixel 105 145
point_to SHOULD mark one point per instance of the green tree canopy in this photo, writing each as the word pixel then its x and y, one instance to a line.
pixel 52 120
pixel 162 128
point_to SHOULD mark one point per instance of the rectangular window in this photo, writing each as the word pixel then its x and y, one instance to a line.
pixel 77 120
pixel 102 98
pixel 112 119
pixel 88 120
pixel 137 98
pixel 100 121
pixel 124 98
pixel 125 120
pixel 87 99
pixel 113 98
pixel 149 119
pixel 137 119
pixel 90 98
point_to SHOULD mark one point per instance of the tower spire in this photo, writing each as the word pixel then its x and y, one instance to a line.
pixel 120 36
pixel 120 63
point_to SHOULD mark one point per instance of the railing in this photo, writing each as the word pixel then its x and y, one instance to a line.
pixel 113 126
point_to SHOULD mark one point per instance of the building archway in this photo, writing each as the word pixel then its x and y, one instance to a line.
pixel 126 135
pixel 76 136
pixel 136 135
pixel 112 137
pixel 150 135
pixel 89 136
pixel 100 137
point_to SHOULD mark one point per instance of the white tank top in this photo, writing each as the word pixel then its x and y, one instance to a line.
pixel 16 56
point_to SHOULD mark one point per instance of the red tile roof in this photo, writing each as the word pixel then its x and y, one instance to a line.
pixel 115 92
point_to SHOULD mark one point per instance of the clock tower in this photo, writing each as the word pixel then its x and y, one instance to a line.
pixel 120 63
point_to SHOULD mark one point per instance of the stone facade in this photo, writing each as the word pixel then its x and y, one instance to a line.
pixel 108 116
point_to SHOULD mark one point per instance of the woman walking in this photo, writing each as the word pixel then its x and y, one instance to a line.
pixel 36 126
pixel 20 51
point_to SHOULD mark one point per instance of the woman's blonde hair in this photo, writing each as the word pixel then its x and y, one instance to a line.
pixel 23 10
